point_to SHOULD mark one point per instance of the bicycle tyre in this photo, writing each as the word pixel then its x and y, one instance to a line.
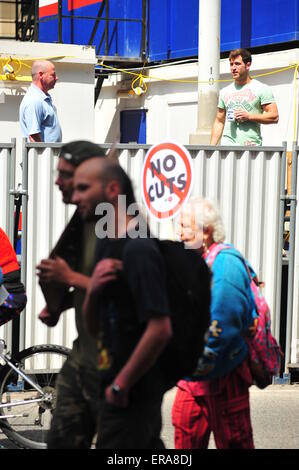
pixel 25 430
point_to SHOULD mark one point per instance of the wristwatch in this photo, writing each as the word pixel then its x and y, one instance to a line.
pixel 116 388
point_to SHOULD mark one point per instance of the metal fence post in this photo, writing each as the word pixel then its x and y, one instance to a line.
pixel 12 172
pixel 11 167
pixel 24 195
pixel 293 199
pixel 280 243
pixel 15 203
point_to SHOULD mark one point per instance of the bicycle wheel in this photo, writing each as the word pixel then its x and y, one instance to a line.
pixel 27 423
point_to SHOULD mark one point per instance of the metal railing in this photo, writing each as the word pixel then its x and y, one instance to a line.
pixel 103 16
pixel 24 22
pixel 18 21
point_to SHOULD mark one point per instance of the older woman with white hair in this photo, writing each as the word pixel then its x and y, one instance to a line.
pixel 216 398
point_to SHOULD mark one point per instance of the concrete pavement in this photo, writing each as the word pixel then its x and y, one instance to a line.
pixel 274 415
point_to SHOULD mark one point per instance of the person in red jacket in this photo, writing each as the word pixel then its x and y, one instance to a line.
pixel 16 300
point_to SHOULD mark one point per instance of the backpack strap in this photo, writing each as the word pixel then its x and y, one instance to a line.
pixel 213 251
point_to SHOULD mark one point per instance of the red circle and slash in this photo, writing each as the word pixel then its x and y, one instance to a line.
pixel 177 151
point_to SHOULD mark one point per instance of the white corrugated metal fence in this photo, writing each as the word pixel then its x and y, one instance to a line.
pixel 248 183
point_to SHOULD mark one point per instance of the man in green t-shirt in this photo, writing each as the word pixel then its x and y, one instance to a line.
pixel 243 105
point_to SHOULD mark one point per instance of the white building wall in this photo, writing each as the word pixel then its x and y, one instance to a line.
pixel 73 95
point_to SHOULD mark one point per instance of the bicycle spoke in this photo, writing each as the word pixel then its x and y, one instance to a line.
pixel 27 413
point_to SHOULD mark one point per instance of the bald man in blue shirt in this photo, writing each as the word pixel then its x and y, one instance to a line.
pixel 38 117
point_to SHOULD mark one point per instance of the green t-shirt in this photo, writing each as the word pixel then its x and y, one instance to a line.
pixel 85 346
pixel 251 97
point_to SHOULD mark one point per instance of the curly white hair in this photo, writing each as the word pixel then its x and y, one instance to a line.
pixel 206 213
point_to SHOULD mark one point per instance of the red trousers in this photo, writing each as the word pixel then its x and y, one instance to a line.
pixel 226 414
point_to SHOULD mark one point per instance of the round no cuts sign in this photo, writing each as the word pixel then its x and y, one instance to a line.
pixel 166 179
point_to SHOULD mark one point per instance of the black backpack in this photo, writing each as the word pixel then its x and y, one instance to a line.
pixel 189 295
